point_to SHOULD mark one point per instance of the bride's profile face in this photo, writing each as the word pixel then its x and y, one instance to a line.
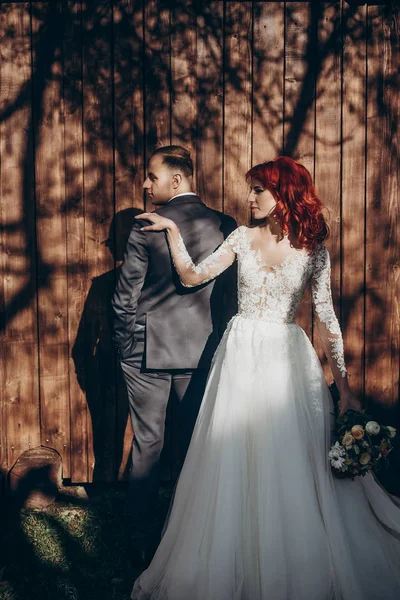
pixel 261 200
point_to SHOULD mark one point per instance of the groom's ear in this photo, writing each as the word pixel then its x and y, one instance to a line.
pixel 176 180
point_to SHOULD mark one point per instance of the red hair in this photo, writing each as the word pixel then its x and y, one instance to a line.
pixel 298 208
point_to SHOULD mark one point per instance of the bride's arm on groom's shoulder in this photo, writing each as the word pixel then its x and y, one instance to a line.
pixel 328 327
pixel 191 275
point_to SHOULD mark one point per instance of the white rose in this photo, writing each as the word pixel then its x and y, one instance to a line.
pixel 392 431
pixel 372 428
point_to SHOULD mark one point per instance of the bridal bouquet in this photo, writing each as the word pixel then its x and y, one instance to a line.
pixel 361 445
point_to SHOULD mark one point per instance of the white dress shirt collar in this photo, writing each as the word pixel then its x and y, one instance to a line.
pixel 183 194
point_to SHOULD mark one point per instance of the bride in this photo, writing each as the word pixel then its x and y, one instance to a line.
pixel 256 514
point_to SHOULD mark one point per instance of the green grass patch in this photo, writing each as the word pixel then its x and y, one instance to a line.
pixel 73 550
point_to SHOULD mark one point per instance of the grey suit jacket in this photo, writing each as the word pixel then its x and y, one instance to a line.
pixel 182 325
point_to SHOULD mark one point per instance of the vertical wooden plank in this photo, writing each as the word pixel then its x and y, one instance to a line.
pixel 300 47
pixel 75 216
pixel 237 102
pixel 157 75
pixel 3 239
pixel 99 211
pixel 128 101
pixel 129 169
pixel 51 230
pixel 19 323
pixel 353 191
pixel 299 125
pixel 210 104
pixel 183 75
pixel 268 73
pixel 327 142
pixel 3 433
pixel 383 213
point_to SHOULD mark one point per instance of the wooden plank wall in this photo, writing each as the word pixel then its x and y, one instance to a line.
pixel 88 91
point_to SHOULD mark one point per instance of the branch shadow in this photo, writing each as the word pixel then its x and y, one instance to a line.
pixel 116 133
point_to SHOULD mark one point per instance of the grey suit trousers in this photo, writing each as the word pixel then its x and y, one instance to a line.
pixel 148 394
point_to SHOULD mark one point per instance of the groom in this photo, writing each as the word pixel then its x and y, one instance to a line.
pixel 166 334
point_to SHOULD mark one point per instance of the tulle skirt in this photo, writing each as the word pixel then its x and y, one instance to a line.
pixel 256 513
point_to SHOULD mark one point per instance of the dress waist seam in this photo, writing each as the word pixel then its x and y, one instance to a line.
pixel 250 318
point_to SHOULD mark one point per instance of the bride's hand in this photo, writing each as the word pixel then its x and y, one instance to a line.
pixel 349 402
pixel 158 223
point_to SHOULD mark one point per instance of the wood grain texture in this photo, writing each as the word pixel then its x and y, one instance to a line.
pixel 157 77
pixel 183 75
pixel 19 327
pixel 209 137
pixel 328 141
pixel 51 231
pixel 382 322
pixel 99 211
pixel 268 80
pixel 353 192
pixel 236 82
pixel 76 242
pixel 128 34
pixel 3 422
pixel 299 123
pixel 237 104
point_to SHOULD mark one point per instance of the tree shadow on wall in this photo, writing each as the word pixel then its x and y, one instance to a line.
pixel 97 369
pixel 104 57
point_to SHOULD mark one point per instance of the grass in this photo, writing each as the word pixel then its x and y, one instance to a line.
pixel 77 548
pixel 73 550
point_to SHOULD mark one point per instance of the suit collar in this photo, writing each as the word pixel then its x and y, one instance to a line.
pixel 185 199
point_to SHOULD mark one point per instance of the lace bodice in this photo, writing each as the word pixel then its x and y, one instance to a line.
pixel 274 293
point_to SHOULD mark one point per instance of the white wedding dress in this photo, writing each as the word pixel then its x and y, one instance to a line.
pixel 256 513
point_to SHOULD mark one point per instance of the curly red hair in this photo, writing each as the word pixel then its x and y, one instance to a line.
pixel 298 208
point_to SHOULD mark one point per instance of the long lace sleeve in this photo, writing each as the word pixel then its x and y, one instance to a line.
pixel 326 320
pixel 192 275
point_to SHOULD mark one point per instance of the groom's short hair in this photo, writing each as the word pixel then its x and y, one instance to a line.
pixel 176 157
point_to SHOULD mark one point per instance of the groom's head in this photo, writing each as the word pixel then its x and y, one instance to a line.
pixel 169 172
